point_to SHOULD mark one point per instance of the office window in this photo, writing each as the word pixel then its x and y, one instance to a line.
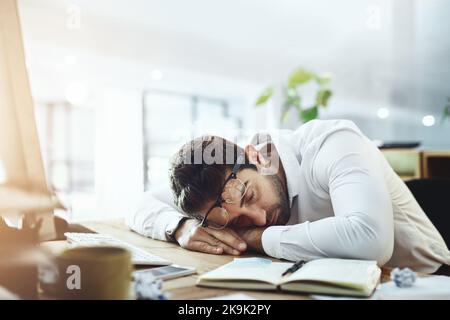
pixel 171 119
pixel 66 136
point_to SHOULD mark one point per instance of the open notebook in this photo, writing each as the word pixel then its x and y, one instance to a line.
pixel 325 276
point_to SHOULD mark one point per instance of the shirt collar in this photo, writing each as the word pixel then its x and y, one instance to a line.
pixel 288 158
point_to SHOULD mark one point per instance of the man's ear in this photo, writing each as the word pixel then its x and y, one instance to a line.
pixel 255 157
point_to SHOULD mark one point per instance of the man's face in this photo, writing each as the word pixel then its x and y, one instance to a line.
pixel 264 202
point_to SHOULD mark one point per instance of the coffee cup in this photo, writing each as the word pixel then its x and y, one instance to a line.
pixel 97 272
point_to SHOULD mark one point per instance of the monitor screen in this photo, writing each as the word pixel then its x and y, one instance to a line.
pixel 21 165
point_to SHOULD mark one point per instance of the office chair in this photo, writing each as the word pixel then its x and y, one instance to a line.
pixel 433 195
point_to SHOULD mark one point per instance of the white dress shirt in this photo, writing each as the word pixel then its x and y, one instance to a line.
pixel 345 199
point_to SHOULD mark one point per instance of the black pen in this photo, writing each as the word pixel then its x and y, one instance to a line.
pixel 294 267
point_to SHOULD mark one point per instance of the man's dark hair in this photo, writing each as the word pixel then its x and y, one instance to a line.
pixel 197 170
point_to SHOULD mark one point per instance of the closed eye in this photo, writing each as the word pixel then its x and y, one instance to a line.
pixel 249 197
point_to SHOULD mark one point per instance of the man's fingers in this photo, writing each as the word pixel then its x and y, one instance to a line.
pixel 208 238
pixel 227 249
pixel 233 232
pixel 205 247
pixel 199 239
pixel 240 242
pixel 228 237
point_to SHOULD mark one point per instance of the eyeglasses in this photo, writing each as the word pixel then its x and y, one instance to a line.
pixel 232 191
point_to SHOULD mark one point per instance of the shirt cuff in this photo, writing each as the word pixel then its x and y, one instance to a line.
pixel 271 241
pixel 172 227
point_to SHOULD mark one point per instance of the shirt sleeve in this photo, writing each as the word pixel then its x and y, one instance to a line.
pixel 347 168
pixel 156 216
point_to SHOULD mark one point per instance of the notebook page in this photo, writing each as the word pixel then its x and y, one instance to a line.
pixel 258 269
pixel 355 273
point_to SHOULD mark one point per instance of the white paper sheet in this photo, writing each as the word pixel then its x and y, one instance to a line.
pixel 234 296
pixel 425 288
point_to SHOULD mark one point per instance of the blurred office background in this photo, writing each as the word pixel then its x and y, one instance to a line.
pixel 119 85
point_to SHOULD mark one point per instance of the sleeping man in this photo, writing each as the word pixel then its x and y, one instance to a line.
pixel 323 190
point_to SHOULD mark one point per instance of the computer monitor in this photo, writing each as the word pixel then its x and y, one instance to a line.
pixel 21 164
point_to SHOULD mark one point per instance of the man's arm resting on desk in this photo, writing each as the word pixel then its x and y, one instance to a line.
pixel 157 219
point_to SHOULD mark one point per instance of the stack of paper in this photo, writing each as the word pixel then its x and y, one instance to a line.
pixel 425 288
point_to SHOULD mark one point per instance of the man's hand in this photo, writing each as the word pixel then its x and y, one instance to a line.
pixel 190 235
pixel 252 236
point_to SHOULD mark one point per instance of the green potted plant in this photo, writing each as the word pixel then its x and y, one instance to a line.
pixel 446 114
pixel 291 93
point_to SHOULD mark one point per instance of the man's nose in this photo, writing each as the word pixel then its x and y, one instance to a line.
pixel 256 216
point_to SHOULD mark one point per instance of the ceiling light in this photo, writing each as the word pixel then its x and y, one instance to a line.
pixel 428 121
pixel 383 113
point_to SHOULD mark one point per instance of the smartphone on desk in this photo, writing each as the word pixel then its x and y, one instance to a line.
pixel 167 272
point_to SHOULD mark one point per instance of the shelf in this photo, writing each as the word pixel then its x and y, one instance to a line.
pixel 414 164
pixel 436 164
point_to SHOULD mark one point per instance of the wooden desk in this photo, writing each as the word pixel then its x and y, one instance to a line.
pixel 181 288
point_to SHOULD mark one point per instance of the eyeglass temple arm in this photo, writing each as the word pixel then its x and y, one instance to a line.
pixel 239 162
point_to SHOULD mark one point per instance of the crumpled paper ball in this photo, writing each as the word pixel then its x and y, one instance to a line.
pixel 147 287
pixel 403 278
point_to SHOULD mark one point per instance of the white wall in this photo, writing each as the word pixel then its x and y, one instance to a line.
pixel 114 91
pixel 381 53
pixel 118 153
